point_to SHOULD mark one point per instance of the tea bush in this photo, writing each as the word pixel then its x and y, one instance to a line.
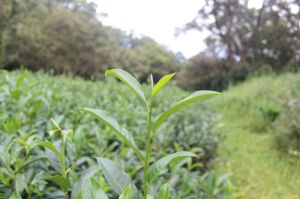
pixel 36 156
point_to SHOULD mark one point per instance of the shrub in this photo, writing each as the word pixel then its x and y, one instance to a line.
pixel 202 71
pixel 287 128
pixel 28 102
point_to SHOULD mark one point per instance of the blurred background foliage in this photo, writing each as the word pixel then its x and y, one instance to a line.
pixel 67 36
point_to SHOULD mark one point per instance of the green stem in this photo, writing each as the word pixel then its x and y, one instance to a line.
pixel 62 164
pixel 148 151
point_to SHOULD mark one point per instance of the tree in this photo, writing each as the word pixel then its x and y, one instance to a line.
pixel 265 35
pixel 203 72
pixel 143 56
pixel 77 44
pixel 7 13
pixel 66 36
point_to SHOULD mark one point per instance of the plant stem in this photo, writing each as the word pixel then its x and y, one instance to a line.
pixel 62 164
pixel 148 151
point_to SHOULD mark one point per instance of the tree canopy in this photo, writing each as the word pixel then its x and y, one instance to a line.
pixel 245 39
pixel 268 35
pixel 66 36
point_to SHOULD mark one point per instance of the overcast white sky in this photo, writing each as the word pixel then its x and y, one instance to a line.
pixel 158 20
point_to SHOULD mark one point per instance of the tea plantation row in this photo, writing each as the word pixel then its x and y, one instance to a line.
pixel 29 101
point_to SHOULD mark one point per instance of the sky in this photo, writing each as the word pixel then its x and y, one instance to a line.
pixel 157 19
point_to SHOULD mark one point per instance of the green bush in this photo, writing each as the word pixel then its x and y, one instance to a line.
pixel 29 101
pixel 287 128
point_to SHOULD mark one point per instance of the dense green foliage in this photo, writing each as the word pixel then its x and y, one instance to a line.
pixel 151 171
pixel 67 37
pixel 28 102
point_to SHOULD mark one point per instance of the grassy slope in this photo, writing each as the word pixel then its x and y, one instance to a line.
pixel 259 171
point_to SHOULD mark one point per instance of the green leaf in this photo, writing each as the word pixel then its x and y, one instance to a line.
pixel 55 124
pixel 117 179
pixel 100 194
pixel 163 192
pixel 126 194
pixel 59 180
pixel 85 175
pixel 29 162
pixel 5 157
pixel 106 118
pixel 196 96
pixel 20 183
pixel 51 147
pixel 151 81
pixel 15 195
pixel 223 179
pixel 129 80
pixel 64 133
pixel 161 83
pixel 160 167
pixel 92 190
pixel 150 197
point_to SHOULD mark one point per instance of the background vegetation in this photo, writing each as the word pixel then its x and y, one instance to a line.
pixel 34 35
pixel 243 41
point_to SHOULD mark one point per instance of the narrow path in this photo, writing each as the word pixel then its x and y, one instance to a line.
pixel 257 169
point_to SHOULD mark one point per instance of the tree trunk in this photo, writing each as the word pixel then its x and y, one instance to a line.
pixel 2 46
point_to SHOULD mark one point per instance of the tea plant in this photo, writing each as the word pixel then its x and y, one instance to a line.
pixel 29 169
pixel 121 182
pixel 15 173
pixel 61 179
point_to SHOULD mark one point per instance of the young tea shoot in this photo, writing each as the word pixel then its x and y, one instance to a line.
pixel 121 182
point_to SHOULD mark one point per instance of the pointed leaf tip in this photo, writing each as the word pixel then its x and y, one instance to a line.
pixel 129 80
pixel 126 194
pixel 161 83
pixel 164 192
pixel 106 118
pixel 117 179
pixel 160 166
pixel 196 96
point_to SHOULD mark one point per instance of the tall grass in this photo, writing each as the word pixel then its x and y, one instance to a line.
pixel 258 101
pixel 249 111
